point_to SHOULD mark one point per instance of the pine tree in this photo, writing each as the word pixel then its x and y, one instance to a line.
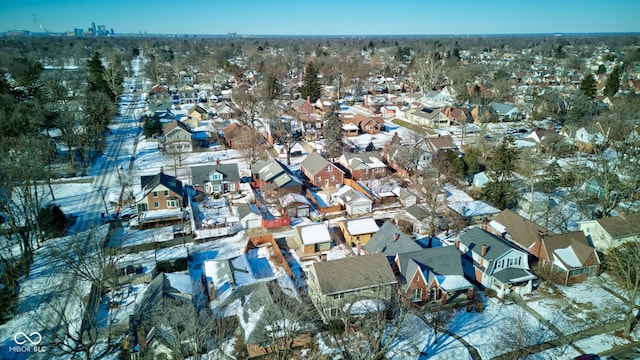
pixel 311 88
pixel 333 140
pixel 588 86
pixel 97 81
pixel 613 83
pixel 500 191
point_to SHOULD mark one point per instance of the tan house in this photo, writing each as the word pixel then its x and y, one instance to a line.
pixel 352 286
pixel 611 232
pixel 312 238
pixel 358 231
pixel 160 192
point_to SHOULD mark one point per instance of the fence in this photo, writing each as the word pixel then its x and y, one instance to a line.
pixel 323 209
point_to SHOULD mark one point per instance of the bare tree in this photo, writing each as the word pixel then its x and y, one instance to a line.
pixel 517 337
pixel 253 144
pixel 623 264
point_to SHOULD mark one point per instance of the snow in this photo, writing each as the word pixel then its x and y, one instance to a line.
pixel 131 237
pixel 315 234
pixel 362 307
pixel 180 282
pixel 453 282
pixel 568 256
pixel 362 226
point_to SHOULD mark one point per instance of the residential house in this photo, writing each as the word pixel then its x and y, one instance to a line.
pixel 420 216
pixel 302 107
pixel 457 115
pixel 235 136
pixel 406 197
pixel 568 254
pixel 358 231
pixel 495 263
pixel 391 241
pixel 272 175
pixel 160 192
pixel 588 140
pixel 195 115
pixel 521 231
pixel 428 117
pixel 225 111
pixel 473 211
pixel 364 165
pixel 435 144
pixel 295 205
pixel 351 286
pixel 354 202
pixel 611 232
pixel 320 171
pixel 533 202
pixel 261 307
pixel 177 138
pixel 218 178
pixel 505 111
pixel 434 275
pixel 249 216
pixel 313 238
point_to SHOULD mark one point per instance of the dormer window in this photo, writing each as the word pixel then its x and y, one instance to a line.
pixel 329 168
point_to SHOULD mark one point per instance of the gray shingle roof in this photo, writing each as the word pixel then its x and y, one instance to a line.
pixel 444 260
pixel 474 238
pixel 200 174
pixel 384 241
pixel 354 273
pixel 314 162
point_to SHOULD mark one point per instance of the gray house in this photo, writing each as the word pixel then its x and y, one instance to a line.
pixel 219 178
pixel 391 241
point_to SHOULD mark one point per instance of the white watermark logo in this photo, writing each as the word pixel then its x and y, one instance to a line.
pixel 27 343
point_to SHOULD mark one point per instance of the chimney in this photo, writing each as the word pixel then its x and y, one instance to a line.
pixel 323 257
pixel 396 236
pixel 358 248
pixel 218 162
pixel 457 242
pixel 161 169
pixel 483 250
pixel 141 335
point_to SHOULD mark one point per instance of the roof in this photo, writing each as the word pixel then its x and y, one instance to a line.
pixel 435 144
pixel 521 231
pixel 352 197
pixel 246 209
pixel 437 263
pixel 362 161
pixel 201 174
pixel 418 211
pixel 473 208
pixel 391 240
pixel 361 226
pixel 272 170
pixel 513 275
pixel 364 272
pixel 313 234
pixel 150 182
pixel 174 125
pixel 292 198
pixel 569 250
pixel 619 227
pixel 475 237
pixel 314 162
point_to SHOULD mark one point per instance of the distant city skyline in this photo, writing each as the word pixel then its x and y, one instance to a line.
pixel 330 17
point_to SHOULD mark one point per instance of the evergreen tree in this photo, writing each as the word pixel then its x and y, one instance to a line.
pixel 311 87
pixel 97 81
pixel 333 140
pixel 613 83
pixel 588 86
pixel 500 191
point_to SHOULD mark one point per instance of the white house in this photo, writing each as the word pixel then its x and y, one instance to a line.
pixel 611 232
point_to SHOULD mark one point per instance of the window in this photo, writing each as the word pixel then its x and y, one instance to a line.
pixel 338 296
pixel 156 204
pixel 166 193
pixel 319 180
pixel 416 295
pixel 172 203
pixel 333 178
pixel 334 313
pixel 329 168
pixel 318 125
pixel 155 194
pixel 379 169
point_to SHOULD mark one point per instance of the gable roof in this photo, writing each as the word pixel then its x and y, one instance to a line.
pixel 353 273
pixel 520 230
pixel 313 233
pixel 475 237
pixel 150 182
pixel 569 250
pixel 435 144
pixel 274 171
pixel 245 209
pixel 360 226
pixel 391 240
pixel 201 174
pixel 442 264
pixel 619 227
pixel 362 160
pixel 315 162
pixel 418 211
pixel 176 124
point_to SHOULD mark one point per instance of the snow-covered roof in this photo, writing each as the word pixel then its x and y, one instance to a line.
pixel 361 226
pixel 453 282
pixel 568 256
pixel 180 282
pixel 314 234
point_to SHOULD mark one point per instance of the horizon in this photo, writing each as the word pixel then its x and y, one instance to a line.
pixel 332 18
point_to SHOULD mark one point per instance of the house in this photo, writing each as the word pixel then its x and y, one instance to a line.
pixel 391 241
pixel 568 254
pixel 320 171
pixel 312 238
pixel 533 202
pixel 340 289
pixel 302 107
pixel 457 115
pixel 473 211
pixel 235 136
pixel 611 232
pixel 357 231
pixel 354 202
pixel 177 138
pixel 364 165
pixel 428 117
pixel 505 111
pixel 434 275
pixel 295 205
pixel 198 113
pixel 250 216
pixel 435 144
pixel 420 216
pixel 272 175
pixel 517 229
pixel 160 192
pixel 495 263
pixel 218 178
pixel 225 111
pixel 260 308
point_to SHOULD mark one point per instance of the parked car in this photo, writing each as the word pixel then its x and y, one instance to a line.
pixel 587 357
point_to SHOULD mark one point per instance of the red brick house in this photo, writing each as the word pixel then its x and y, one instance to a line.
pixel 160 192
pixel 568 254
pixel 320 171
pixel 364 165
pixel 434 275
pixel 303 107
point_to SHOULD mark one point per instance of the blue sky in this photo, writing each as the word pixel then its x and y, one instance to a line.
pixel 328 17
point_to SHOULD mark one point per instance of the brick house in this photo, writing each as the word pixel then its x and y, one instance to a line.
pixel 320 171
pixel 364 165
